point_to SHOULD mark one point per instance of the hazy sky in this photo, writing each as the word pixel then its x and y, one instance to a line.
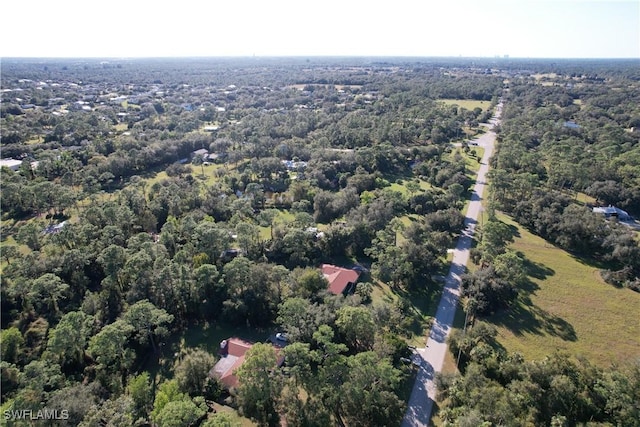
pixel 126 28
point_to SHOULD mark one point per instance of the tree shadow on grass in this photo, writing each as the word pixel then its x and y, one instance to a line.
pixel 513 230
pixel 535 269
pixel 528 318
pixel 523 316
pixel 592 261
pixel 420 306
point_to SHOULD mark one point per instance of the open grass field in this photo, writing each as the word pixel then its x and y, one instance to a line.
pixel 568 307
pixel 401 186
pixel 472 132
pixel 209 178
pixel 472 162
pixel 585 199
pixel 469 104
pixel 284 216
pixel 35 140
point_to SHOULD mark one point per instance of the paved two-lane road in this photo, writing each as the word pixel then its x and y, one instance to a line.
pixel 432 356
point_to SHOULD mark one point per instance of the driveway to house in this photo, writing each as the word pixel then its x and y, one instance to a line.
pixel 431 357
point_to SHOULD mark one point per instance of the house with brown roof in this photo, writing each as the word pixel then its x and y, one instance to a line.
pixel 341 280
pixel 232 352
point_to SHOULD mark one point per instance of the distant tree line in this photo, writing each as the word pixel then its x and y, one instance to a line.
pixel 562 140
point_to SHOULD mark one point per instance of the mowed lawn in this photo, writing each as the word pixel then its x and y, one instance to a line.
pixel 568 307
pixel 469 104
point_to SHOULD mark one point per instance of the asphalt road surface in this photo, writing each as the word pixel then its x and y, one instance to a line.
pixel 431 357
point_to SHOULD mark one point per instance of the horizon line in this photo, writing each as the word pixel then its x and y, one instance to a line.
pixel 501 57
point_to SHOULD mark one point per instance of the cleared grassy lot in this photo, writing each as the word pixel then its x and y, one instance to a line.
pixel 401 186
pixel 469 104
pixel 567 306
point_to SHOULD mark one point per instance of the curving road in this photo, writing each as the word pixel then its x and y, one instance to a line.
pixel 431 357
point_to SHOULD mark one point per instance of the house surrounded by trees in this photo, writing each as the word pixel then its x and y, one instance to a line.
pixel 232 355
pixel 341 280
pixel 232 352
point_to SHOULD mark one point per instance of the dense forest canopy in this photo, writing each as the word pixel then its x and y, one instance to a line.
pixel 148 199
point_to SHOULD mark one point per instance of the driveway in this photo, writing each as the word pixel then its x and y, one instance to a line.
pixel 431 358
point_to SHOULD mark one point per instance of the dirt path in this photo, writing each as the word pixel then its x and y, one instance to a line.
pixel 431 357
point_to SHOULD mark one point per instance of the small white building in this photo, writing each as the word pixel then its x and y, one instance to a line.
pixel 12 164
pixel 612 212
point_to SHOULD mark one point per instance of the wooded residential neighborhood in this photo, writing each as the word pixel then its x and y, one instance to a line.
pixel 262 241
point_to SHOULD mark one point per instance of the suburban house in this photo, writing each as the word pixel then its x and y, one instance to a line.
pixel 612 212
pixel 232 353
pixel 202 153
pixel 341 280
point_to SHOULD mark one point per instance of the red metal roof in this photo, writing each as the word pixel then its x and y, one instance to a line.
pixel 338 277
pixel 232 353
pixel 232 357
pixel 237 347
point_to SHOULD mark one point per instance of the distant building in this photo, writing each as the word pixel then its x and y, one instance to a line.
pixel 612 212
pixel 341 280
pixel 202 153
pixel 571 125
pixel 292 165
pixel 229 254
pixel 118 99
pixel 213 157
pixel 55 228
pixel 12 164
